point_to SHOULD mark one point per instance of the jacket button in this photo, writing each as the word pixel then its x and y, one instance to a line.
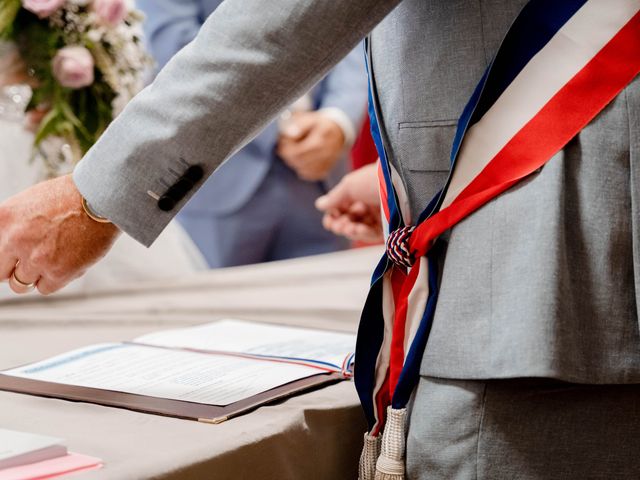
pixel 194 173
pixel 180 188
pixel 166 203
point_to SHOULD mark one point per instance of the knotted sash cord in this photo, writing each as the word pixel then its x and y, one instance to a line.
pixel 568 111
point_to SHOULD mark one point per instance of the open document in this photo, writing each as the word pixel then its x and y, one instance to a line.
pixel 230 364
pixel 329 350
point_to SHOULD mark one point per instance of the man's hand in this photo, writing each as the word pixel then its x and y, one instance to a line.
pixel 47 238
pixel 310 144
pixel 352 208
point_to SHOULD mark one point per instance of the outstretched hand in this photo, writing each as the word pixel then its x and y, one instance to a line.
pixel 46 238
pixel 352 208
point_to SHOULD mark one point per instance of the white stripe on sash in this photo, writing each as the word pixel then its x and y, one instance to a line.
pixel 417 304
pixel 570 49
pixel 385 224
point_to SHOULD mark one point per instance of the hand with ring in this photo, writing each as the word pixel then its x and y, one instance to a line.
pixel 17 284
pixel 47 238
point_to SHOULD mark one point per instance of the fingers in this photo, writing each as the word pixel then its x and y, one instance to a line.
pixel 350 217
pixel 6 267
pixel 357 190
pixel 310 165
pixel 298 152
pixel 329 219
pixel 299 125
pixel 290 152
pixel 338 198
pixel 336 223
pixel 359 210
pixel 313 154
pixel 292 131
pixel 23 278
pixel 47 286
pixel 307 139
pixel 360 231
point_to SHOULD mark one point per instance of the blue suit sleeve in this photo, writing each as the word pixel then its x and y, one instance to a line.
pixel 169 26
pixel 345 87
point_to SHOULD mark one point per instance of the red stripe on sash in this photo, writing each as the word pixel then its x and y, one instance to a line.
pixel 402 286
pixel 383 398
pixel 396 349
pixel 573 107
pixel 383 192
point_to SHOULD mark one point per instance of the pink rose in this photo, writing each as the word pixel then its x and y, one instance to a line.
pixel 42 8
pixel 110 12
pixel 73 67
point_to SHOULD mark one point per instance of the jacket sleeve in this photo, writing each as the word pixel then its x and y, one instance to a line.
pixel 245 65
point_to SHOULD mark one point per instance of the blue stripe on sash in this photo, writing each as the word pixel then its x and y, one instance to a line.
pixel 411 370
pixel 433 204
pixel 465 118
pixel 368 344
pixel 537 23
pixel 395 218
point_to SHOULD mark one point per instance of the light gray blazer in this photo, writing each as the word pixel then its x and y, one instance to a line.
pixel 539 282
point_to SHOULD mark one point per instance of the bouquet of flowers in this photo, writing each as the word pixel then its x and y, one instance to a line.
pixel 84 60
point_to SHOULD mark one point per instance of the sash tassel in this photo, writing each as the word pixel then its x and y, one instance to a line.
pixel 369 457
pixel 390 465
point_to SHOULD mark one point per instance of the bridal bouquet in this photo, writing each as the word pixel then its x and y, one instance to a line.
pixel 84 59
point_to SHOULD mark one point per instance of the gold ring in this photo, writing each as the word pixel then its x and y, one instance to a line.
pixel 26 286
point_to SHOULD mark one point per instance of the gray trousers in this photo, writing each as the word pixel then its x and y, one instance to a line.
pixel 523 429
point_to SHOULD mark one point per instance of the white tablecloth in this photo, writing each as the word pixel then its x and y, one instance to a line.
pixel 312 436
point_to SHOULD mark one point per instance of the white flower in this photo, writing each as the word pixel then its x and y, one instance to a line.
pixel 95 34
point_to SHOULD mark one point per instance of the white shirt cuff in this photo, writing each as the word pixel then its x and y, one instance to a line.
pixel 344 122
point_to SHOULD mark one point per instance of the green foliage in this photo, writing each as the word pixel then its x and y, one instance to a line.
pixel 8 11
pixel 52 124
pixel 83 113
pixel 38 44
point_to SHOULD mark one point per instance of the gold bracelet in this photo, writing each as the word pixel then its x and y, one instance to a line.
pixel 91 214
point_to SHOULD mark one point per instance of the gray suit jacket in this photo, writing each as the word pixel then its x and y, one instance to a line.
pixel 539 282
pixel 169 26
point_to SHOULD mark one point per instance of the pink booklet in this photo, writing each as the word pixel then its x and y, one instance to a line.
pixel 53 468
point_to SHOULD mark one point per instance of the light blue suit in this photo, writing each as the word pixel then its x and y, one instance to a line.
pixel 255 208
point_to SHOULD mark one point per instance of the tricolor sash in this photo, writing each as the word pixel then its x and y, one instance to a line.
pixel 559 65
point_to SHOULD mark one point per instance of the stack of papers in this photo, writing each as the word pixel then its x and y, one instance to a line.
pixel 25 456
pixel 18 448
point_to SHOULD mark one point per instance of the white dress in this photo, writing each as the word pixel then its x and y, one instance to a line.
pixel 172 255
